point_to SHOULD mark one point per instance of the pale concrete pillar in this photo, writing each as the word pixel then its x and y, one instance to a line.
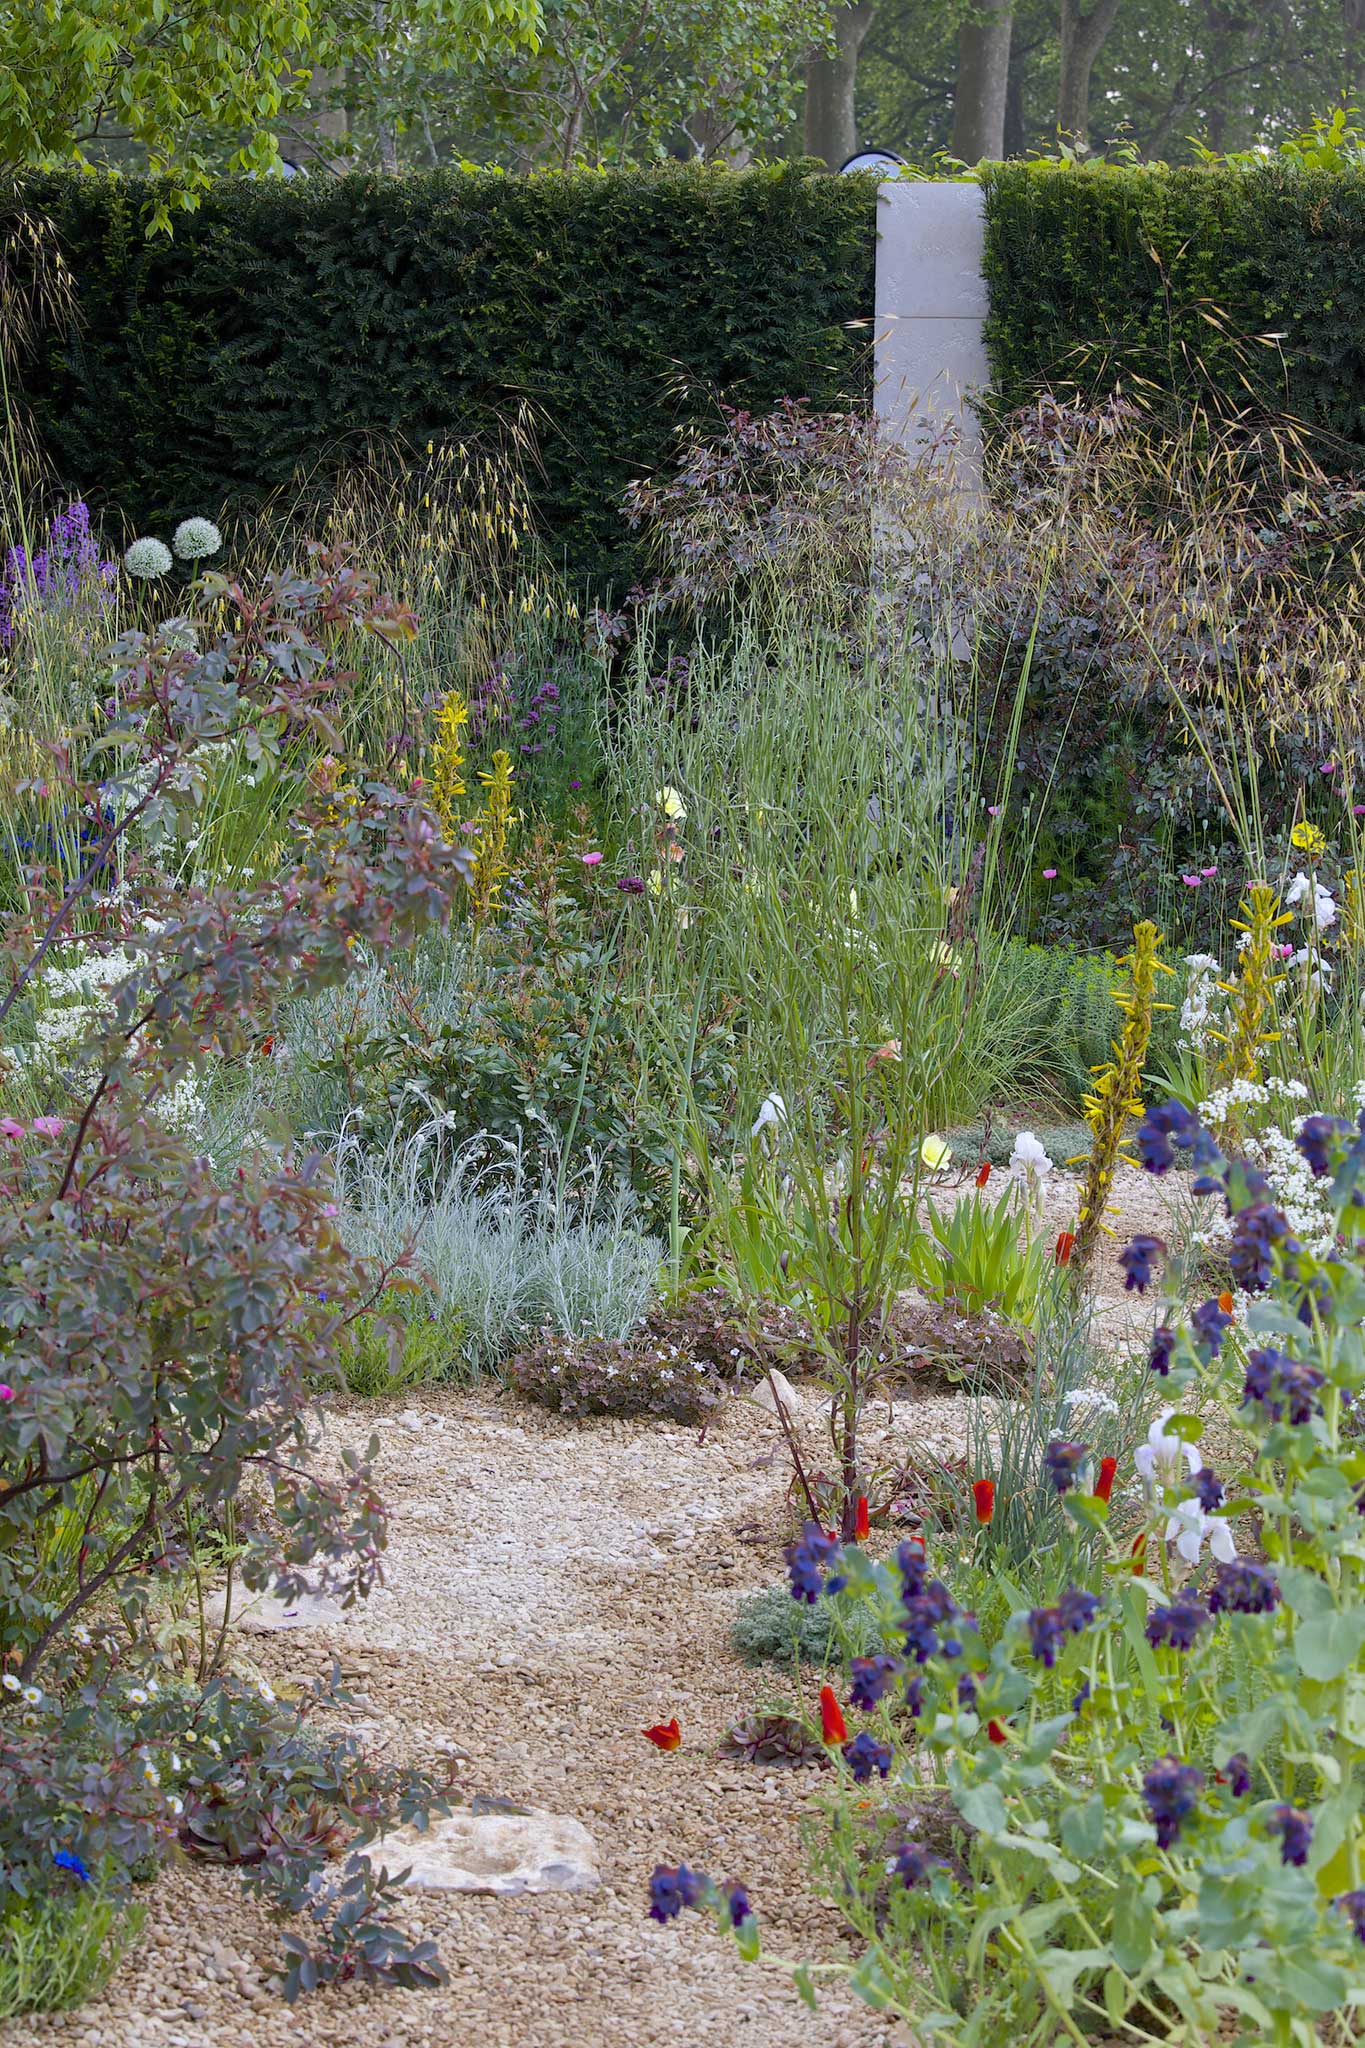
pixel 931 312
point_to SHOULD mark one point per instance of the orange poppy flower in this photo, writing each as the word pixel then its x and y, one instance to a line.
pixel 983 1495
pixel 664 1734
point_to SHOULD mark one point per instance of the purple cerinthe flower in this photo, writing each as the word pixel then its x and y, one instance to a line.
pixel 1208 1322
pixel 1138 1260
pixel 1169 1124
pixel 1177 1624
pixel 865 1754
pixel 1171 1791
pixel 1163 1347
pixel 1275 1382
pixel 1294 1829
pixel 807 1560
pixel 1244 1588
pixel 671 1888
pixel 1061 1463
pixel 872 1678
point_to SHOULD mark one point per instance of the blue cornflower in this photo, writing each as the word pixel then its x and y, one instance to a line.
pixel 1178 1624
pixel 1076 1609
pixel 1295 1831
pixel 1171 1791
pixel 1163 1346
pixel 864 1755
pixel 1045 1632
pixel 67 1859
pixel 1208 1488
pixel 1209 1321
pixel 872 1677
pixel 1062 1461
pixel 1314 1140
pixel 1244 1588
pixel 806 1562
pixel 671 1889
pixel 1138 1260
pixel 966 1692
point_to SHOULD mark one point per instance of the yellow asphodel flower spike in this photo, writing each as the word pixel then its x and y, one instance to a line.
pixel 1117 1094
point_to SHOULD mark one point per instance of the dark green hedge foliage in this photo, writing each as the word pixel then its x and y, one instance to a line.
pixel 1178 277
pixel 280 319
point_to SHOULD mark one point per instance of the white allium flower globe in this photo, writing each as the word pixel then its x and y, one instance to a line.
pixel 195 538
pixel 147 557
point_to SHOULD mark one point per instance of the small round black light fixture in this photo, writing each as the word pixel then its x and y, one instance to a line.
pixel 872 160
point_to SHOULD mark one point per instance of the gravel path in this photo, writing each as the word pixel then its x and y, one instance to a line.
pixel 552 1589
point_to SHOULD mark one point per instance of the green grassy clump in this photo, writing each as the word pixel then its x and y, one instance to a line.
pixel 57 1952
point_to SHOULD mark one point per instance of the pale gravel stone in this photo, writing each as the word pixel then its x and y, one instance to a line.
pixel 501 1854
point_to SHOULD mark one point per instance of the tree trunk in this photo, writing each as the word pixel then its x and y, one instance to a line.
pixel 831 115
pixel 319 136
pixel 983 70
pixel 715 140
pixel 1082 40
pixel 1016 126
pixel 1353 23
pixel 387 135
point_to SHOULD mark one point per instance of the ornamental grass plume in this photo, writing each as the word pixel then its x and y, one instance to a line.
pixel 447 761
pixel 1253 990
pixel 1117 1093
pixel 490 854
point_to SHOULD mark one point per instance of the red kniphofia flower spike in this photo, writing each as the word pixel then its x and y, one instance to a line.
pixel 1065 1246
pixel 833 1727
pixel 1104 1485
pixel 983 1173
pixel 862 1525
pixel 983 1497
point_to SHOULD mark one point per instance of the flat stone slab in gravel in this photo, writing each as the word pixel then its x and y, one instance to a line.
pixel 504 1854
pixel 264 1614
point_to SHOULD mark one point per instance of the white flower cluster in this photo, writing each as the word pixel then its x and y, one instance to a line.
pixel 1202 1013
pixel 1304 1199
pixel 147 558
pixel 195 538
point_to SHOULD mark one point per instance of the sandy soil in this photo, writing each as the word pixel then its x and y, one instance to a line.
pixel 553 1588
